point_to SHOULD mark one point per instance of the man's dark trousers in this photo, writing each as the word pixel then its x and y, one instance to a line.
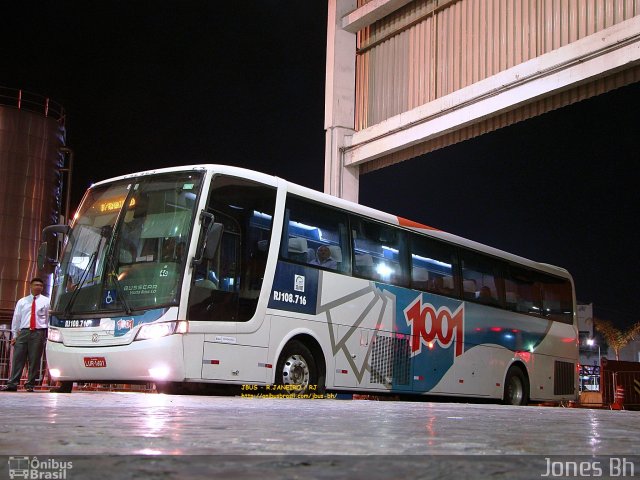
pixel 29 345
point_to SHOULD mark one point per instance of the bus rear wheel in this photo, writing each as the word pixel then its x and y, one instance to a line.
pixel 516 388
pixel 297 370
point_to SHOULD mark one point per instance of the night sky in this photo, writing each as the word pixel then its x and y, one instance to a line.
pixel 156 84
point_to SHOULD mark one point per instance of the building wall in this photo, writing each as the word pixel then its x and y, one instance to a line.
pixel 407 77
pixel 431 48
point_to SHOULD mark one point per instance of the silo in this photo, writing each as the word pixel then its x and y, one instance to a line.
pixel 31 135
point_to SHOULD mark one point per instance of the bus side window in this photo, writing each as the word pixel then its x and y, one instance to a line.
pixel 523 287
pixel 433 265
pixel 483 279
pixel 309 227
pixel 557 299
pixel 380 252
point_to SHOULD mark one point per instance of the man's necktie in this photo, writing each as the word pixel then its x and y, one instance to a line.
pixel 32 323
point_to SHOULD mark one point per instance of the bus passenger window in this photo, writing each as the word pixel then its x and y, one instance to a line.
pixel 379 252
pixel 557 301
pixel 433 264
pixel 483 279
pixel 523 291
pixel 317 235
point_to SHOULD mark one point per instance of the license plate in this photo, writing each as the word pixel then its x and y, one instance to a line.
pixel 95 362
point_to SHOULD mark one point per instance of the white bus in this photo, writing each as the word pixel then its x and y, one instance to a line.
pixel 213 274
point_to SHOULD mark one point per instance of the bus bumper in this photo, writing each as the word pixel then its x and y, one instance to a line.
pixel 153 360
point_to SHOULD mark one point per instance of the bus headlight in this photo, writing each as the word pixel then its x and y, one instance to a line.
pixel 159 330
pixel 160 372
pixel 54 335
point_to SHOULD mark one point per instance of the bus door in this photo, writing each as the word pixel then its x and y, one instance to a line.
pixel 226 282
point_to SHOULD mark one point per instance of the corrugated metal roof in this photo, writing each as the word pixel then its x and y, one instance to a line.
pixel 524 112
pixel 431 48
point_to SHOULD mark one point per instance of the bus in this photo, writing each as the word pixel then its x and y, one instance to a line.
pixel 206 275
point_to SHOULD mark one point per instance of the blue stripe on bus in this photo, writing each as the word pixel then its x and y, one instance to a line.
pixel 121 324
pixel 439 329
pixel 295 288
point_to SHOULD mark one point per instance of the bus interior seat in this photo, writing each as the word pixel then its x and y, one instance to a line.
pixel 512 300
pixel 447 283
pixel 364 265
pixel 420 278
pixel 298 249
pixel 469 289
pixel 420 274
pixel 486 294
pixel 336 253
pixel 443 285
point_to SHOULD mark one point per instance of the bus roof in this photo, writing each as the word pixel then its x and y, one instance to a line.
pixel 349 206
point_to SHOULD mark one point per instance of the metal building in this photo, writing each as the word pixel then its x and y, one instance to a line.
pixel 406 77
pixel 31 134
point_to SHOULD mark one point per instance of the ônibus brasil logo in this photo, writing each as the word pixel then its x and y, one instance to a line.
pixel 429 325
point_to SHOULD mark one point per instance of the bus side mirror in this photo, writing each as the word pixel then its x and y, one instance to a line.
pixel 44 263
pixel 211 240
pixel 48 250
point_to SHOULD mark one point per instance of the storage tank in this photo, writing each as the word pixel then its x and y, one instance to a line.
pixel 31 135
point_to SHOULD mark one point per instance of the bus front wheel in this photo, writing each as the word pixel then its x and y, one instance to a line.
pixel 297 370
pixel 64 387
pixel 516 388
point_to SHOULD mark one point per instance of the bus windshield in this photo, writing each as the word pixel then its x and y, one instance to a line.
pixel 127 249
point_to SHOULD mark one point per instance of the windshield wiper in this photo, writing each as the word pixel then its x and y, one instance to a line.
pixel 113 276
pixel 83 278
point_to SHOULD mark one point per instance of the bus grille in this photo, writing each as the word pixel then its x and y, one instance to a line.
pixel 390 361
pixel 564 378
pixel 93 338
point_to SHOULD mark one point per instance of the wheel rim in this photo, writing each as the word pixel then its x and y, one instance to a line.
pixel 295 371
pixel 515 390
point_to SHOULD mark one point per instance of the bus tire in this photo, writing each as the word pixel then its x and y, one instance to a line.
pixel 65 387
pixel 298 371
pixel 516 387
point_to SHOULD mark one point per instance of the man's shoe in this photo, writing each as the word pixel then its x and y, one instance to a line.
pixel 9 388
pixel 29 389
